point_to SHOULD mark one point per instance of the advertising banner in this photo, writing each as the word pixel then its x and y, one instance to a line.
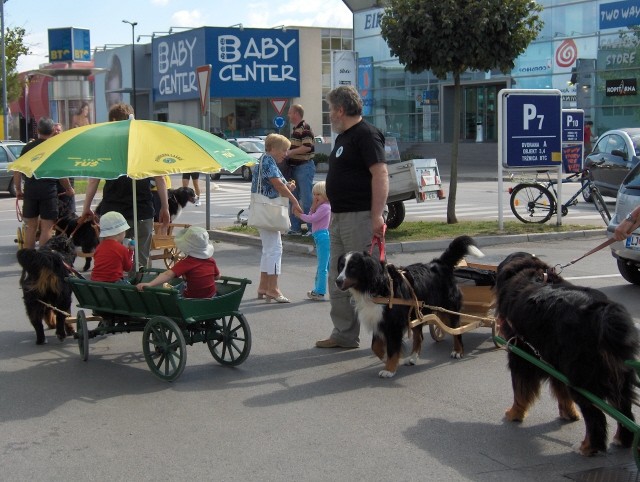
pixel 253 62
pixel 69 45
pixel 175 58
pixel 365 84
pixel 343 68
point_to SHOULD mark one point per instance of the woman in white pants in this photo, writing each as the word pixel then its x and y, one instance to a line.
pixel 272 185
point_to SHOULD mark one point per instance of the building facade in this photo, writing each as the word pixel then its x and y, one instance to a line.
pixel 256 75
pixel 589 50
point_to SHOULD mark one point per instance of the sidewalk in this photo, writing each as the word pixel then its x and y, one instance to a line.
pixel 290 246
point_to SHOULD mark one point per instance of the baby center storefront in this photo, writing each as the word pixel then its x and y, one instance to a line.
pixel 249 68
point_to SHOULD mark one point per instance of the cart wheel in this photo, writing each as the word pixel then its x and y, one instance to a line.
pixel 164 348
pixel 436 332
pixel 20 237
pixel 396 214
pixel 229 339
pixel 82 333
pixel 172 256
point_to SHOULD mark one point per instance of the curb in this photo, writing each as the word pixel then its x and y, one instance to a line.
pixel 414 246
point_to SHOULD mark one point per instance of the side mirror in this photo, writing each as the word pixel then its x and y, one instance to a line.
pixel 619 153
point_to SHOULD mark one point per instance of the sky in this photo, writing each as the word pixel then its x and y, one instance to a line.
pixel 104 18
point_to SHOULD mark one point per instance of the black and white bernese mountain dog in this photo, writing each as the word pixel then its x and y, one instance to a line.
pixel 43 281
pixel 178 199
pixel 580 332
pixel 432 283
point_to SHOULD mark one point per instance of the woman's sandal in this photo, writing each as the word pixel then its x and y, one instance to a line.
pixel 279 299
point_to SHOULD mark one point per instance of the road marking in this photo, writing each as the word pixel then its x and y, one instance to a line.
pixel 594 276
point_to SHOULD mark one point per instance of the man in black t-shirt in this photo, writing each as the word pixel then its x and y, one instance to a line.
pixel 40 196
pixel 357 188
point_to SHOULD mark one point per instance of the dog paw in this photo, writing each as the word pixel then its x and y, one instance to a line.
pixel 412 360
pixel 386 374
pixel 456 355
pixel 514 415
pixel 569 416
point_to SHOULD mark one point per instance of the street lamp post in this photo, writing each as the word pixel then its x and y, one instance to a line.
pixel 5 117
pixel 133 62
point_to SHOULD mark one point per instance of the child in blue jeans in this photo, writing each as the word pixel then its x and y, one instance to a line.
pixel 319 217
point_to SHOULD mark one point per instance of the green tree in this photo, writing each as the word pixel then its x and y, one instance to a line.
pixel 453 36
pixel 14 47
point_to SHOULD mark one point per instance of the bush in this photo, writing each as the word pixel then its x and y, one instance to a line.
pixel 408 155
pixel 320 157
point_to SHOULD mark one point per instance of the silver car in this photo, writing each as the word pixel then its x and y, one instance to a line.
pixel 9 152
pixel 627 253
pixel 254 146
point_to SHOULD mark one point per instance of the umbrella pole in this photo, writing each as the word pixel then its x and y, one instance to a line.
pixel 135 224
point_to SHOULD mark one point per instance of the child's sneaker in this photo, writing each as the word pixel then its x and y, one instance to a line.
pixel 312 295
pixel 197 203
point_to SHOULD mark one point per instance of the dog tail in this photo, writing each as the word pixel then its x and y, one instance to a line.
pixel 459 248
pixel 618 335
pixel 619 341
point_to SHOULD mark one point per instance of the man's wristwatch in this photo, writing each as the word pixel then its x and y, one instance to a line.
pixel 630 218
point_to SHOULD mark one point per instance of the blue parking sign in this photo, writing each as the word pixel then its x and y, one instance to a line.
pixel 532 128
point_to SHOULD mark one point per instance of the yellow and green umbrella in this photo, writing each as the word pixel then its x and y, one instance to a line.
pixel 134 148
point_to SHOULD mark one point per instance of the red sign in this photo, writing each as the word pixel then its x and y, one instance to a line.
pixel 203 73
pixel 279 105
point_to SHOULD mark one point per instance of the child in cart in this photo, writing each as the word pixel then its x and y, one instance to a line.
pixel 114 255
pixel 319 217
pixel 198 269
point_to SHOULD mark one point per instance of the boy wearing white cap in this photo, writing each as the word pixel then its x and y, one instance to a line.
pixel 198 268
pixel 112 258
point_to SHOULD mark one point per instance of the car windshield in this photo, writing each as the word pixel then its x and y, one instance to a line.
pixel 15 149
pixel 632 181
pixel 635 139
pixel 251 146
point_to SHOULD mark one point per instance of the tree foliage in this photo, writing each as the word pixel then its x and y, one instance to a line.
pixel 14 47
pixel 453 36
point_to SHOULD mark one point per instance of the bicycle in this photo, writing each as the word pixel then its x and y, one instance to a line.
pixel 536 202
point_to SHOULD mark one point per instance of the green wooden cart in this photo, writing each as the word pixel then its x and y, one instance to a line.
pixel 168 322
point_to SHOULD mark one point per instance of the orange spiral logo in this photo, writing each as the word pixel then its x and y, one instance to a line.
pixel 566 53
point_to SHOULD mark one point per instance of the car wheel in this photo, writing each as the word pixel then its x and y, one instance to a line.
pixel 12 188
pixel 215 177
pixel 629 271
pixel 246 173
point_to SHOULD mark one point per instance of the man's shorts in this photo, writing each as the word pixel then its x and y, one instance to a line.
pixel 191 175
pixel 45 208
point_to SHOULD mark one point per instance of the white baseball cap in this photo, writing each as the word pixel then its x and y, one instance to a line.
pixel 112 223
pixel 194 241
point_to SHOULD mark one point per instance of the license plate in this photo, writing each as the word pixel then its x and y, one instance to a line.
pixel 633 242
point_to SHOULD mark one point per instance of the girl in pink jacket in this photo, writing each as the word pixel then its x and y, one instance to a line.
pixel 319 217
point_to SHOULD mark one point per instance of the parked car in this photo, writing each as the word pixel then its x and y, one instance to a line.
pixel 9 152
pixel 616 152
pixel 627 253
pixel 253 146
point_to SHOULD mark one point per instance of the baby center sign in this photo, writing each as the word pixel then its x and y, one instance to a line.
pixel 253 62
pixel 175 58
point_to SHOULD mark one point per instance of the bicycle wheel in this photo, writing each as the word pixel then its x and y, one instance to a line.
pixel 532 203
pixel 601 206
